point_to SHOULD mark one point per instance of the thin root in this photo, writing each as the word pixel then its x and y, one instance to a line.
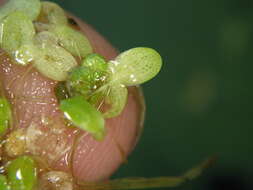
pixel 143 183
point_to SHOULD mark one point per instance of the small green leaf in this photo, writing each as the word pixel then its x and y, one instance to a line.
pixel 95 62
pixel 52 14
pixel 88 78
pixel 54 62
pixel 82 81
pixel 73 41
pixel 16 31
pixel 83 115
pixel 5 115
pixel 22 173
pixel 135 66
pixel 30 7
pixel 116 98
pixel 85 80
pixel 3 183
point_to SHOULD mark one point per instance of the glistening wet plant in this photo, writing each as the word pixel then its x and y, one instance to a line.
pixel 88 89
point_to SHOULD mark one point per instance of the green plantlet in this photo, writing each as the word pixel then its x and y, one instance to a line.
pixel 53 19
pixel 3 183
pixel 88 77
pixel 73 41
pixel 132 67
pixel 81 81
pixel 84 116
pixel 40 34
pixel 5 115
pixel 99 82
pixel 16 36
pixel 51 51
pixel 22 173
pixel 30 7
pixel 95 62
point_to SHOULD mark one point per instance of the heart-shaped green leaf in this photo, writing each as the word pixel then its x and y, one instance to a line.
pixel 84 116
pixel 22 173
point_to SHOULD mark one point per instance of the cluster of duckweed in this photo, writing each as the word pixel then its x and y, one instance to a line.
pixel 39 34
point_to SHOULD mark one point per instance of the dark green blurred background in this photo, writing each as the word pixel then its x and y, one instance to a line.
pixel 200 104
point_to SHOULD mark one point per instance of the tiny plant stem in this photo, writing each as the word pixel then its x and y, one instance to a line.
pixel 144 183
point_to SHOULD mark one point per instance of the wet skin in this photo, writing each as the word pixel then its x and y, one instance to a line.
pixel 34 106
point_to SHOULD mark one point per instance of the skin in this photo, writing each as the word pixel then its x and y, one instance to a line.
pixel 90 160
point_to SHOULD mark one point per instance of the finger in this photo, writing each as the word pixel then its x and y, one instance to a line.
pixel 35 108
pixel 2 2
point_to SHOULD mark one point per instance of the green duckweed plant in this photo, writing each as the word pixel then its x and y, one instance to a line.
pixel 89 120
pixel 89 88
pixel 22 173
